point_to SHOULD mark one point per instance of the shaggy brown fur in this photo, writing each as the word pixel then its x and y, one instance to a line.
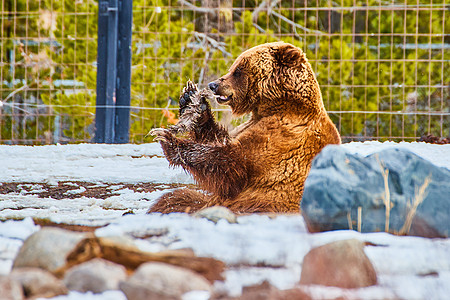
pixel 262 165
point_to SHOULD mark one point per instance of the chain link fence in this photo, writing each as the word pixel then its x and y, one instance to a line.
pixel 383 66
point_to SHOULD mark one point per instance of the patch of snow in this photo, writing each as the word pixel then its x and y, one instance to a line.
pixel 34 188
pixel 6 264
pixel 283 242
pixel 368 293
pixel 106 295
pixel 196 295
pixel 115 187
pixel 18 229
pixel 12 235
pixel 88 162
pixel 418 287
pixel 77 191
pixel 83 210
pixel 407 267
pixel 244 243
pixel 237 278
pixel 436 154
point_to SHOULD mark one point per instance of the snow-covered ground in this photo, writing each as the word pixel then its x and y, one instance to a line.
pixel 87 162
pixel 407 267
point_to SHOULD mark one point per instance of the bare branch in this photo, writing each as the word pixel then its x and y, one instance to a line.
pixel 295 24
pixel 259 28
pixel 196 8
pixel 15 107
pixel 205 65
pixel 214 44
pixel 22 88
pixel 262 7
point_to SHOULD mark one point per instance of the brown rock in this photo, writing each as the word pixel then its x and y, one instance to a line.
pixel 10 289
pixel 96 275
pixel 38 283
pixel 162 281
pixel 341 264
pixel 265 291
pixel 48 249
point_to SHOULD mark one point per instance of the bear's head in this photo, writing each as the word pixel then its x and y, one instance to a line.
pixel 268 78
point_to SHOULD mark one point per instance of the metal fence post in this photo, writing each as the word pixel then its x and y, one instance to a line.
pixel 113 71
pixel 122 114
pixel 100 111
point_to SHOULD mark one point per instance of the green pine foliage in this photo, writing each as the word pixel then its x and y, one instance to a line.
pixel 76 33
pixel 369 61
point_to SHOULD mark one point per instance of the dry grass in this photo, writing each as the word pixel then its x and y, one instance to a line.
pixel 387 194
pixel 349 220
pixel 419 196
pixel 359 218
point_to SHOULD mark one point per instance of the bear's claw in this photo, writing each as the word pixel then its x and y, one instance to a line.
pixel 185 99
pixel 161 134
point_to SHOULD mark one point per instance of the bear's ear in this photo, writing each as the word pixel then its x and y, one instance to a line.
pixel 287 54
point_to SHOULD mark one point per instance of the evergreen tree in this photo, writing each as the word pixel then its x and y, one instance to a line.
pixel 370 61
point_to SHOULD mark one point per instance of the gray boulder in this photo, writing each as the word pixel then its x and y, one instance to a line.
pixel 38 283
pixel 48 249
pixel 340 184
pixel 10 289
pixel 155 280
pixel 97 275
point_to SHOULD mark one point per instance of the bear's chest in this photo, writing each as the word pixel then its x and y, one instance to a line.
pixel 279 153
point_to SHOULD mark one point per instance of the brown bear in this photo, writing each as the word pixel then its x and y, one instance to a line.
pixel 262 165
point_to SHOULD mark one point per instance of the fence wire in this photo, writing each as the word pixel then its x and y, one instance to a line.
pixel 383 66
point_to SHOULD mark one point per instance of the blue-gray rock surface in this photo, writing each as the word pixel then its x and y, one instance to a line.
pixel 339 183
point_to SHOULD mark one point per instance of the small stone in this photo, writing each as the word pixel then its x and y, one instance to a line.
pixel 38 283
pixel 342 264
pixel 216 213
pixel 10 289
pixel 97 275
pixel 162 281
pixel 48 248
pixel 265 291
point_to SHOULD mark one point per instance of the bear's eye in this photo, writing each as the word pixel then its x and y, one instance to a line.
pixel 237 72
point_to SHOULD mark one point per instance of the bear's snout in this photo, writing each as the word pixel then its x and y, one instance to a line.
pixel 213 86
pixel 222 91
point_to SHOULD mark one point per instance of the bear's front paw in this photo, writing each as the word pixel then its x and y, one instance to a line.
pixel 169 144
pixel 195 110
pixel 161 135
pixel 186 98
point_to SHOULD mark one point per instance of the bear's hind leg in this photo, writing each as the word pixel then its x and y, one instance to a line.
pixel 180 200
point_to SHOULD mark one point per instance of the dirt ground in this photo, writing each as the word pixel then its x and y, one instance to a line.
pixel 77 189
